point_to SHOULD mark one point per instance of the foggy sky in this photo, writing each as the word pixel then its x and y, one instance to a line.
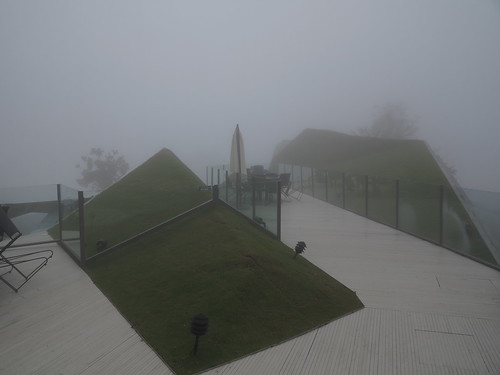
pixel 137 76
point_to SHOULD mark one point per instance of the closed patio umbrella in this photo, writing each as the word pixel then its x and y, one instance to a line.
pixel 237 161
pixel 237 167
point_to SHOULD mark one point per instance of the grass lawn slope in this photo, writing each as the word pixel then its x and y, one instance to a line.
pixel 217 263
pixel 405 159
pixel 159 189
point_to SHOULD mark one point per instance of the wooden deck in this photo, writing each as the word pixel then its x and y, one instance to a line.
pixel 428 311
pixel 60 323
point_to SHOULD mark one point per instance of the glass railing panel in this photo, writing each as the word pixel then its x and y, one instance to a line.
pixel 296 178
pixel 281 168
pixel 258 200
pixel 215 175
pixel 234 191
pixel 220 174
pixel 486 208
pixel 33 209
pixel 224 192
pixel 466 233
pixel 320 184
pixel 70 225
pixel 307 180
pixel 355 198
pixel 124 211
pixel 419 209
pixel 335 190
pixel 222 180
pixel 244 202
pixel 284 168
pixel 382 200
pixel 265 204
pixel 428 211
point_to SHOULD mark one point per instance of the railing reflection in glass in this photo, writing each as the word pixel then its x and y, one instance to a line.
pixel 258 199
pixel 466 221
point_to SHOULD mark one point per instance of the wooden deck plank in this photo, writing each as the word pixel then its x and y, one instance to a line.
pixel 59 322
pixel 429 310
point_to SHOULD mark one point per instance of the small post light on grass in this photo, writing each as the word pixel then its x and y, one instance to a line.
pixel 101 245
pixel 199 326
pixel 300 248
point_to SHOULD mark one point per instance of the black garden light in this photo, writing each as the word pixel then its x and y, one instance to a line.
pixel 300 248
pixel 199 326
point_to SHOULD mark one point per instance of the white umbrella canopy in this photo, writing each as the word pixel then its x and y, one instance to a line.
pixel 237 161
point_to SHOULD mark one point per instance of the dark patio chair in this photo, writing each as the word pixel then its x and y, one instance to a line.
pixel 12 264
pixel 286 188
pixel 285 185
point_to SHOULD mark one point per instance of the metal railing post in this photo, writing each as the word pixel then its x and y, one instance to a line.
pixel 59 210
pixel 326 186
pixel 227 186
pixel 215 192
pixel 278 209
pixel 343 189
pixel 397 204
pixel 441 213
pixel 253 199
pixel 238 191
pixel 81 217
pixel 301 180
pixel 312 182
pixel 366 195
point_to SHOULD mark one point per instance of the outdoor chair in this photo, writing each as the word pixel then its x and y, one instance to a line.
pixel 295 194
pixel 15 264
pixel 285 185
pixel 286 188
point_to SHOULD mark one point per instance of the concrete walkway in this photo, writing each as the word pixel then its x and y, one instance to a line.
pixel 428 310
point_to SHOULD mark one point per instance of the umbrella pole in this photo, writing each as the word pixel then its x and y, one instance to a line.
pixel 238 173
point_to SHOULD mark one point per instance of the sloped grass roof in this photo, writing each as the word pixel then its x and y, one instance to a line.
pixel 159 189
pixel 404 159
pixel 215 262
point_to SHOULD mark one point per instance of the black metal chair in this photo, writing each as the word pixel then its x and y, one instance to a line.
pixel 285 185
pixel 286 188
pixel 11 264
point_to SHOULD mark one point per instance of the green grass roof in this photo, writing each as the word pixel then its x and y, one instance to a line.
pixel 212 261
pixel 390 158
pixel 159 189
pixel 215 262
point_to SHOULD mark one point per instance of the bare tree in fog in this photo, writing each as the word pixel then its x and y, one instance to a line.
pixel 391 121
pixel 101 169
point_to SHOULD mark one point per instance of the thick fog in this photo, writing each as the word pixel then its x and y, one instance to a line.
pixel 137 76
